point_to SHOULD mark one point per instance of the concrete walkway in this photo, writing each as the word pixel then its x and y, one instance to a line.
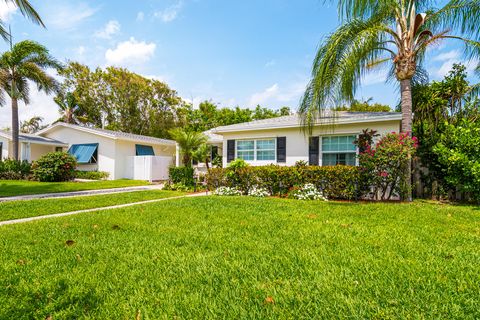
pixel 64 214
pixel 81 193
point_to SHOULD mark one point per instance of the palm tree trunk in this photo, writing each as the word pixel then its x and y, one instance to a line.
pixel 15 128
pixel 406 93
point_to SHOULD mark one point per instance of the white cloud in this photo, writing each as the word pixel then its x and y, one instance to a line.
pixel 66 15
pixel 7 10
pixel 453 54
pixel 131 51
pixel 375 77
pixel 275 96
pixel 80 51
pixel 111 28
pixel 170 13
pixel 140 16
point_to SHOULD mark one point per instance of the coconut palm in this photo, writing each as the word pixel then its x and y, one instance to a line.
pixel 70 111
pixel 378 32
pixel 26 9
pixel 188 142
pixel 32 125
pixel 25 61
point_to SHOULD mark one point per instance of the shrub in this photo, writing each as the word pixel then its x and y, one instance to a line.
pixel 336 182
pixel 92 175
pixel 227 191
pixel 307 192
pixel 384 166
pixel 183 175
pixel 14 170
pixel 258 192
pixel 54 167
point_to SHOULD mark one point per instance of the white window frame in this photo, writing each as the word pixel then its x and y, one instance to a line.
pixel 255 156
pixel 321 152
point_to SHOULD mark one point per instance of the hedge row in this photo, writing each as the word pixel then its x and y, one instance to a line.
pixel 337 182
pixel 92 175
pixel 14 170
pixel 183 175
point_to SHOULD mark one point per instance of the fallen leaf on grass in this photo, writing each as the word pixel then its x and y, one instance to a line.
pixel 312 216
pixel 269 300
pixel 21 262
pixel 69 242
pixel 138 316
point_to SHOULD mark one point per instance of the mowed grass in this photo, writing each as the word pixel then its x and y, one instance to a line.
pixel 244 258
pixel 32 208
pixel 10 188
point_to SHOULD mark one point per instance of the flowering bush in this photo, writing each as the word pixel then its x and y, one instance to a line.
pixel 227 191
pixel 259 192
pixel 384 166
pixel 54 167
pixel 307 192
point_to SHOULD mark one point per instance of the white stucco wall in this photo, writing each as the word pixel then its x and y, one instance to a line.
pixel 38 150
pixel 106 148
pixel 297 141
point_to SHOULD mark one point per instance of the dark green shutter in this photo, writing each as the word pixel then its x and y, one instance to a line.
pixel 313 151
pixel 282 149
pixel 230 150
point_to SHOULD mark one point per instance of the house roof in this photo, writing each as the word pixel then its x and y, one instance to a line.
pixel 33 138
pixel 294 121
pixel 212 137
pixel 116 135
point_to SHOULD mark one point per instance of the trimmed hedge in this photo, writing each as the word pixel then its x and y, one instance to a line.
pixel 183 175
pixel 92 175
pixel 337 182
pixel 14 170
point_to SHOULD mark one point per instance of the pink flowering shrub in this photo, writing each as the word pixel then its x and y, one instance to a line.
pixel 384 165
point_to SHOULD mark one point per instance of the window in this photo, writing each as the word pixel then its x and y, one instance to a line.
pixel 260 150
pixel 339 150
pixel 85 153
pixel 58 149
pixel 141 150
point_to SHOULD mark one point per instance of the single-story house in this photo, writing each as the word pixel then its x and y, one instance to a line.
pixel 122 155
pixel 282 141
pixel 31 146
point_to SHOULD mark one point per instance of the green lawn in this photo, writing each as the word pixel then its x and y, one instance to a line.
pixel 212 257
pixel 31 208
pixel 10 188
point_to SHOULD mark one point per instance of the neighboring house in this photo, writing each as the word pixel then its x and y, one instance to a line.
pixel 282 141
pixel 31 147
pixel 122 155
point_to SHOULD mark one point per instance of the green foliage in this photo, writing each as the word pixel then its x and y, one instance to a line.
pixel 192 144
pixel 32 125
pixel 14 169
pixel 183 175
pixel 217 161
pixel 92 175
pixel 383 167
pixel 337 182
pixel 365 106
pixel 54 167
pixel 458 153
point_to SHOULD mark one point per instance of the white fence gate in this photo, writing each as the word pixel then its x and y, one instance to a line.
pixel 150 168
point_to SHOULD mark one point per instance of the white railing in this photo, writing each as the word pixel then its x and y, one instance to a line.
pixel 150 168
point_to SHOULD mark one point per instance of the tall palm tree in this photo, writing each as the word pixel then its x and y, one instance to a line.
pixel 189 143
pixel 27 10
pixel 25 61
pixel 378 32
pixel 70 111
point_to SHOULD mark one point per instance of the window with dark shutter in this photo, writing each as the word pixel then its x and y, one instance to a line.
pixel 230 150
pixel 313 151
pixel 281 149
pixel 214 152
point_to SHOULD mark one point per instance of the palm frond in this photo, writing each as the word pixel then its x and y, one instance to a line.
pixel 460 15
pixel 27 10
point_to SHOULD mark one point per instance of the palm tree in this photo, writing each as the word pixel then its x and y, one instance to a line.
pixel 69 109
pixel 188 142
pixel 32 125
pixel 379 32
pixel 27 10
pixel 26 61
pixel 203 154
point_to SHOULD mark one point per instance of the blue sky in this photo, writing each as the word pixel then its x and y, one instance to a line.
pixel 232 52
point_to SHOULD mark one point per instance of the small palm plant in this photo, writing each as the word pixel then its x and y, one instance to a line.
pixel 379 32
pixel 25 61
pixel 189 143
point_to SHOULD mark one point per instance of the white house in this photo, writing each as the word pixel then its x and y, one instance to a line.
pixel 31 147
pixel 282 141
pixel 122 155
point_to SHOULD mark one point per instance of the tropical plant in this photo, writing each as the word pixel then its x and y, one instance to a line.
pixel 26 9
pixel 188 142
pixel 364 106
pixel 374 33
pixel 69 109
pixel 32 125
pixel 203 154
pixel 25 61
pixel 55 167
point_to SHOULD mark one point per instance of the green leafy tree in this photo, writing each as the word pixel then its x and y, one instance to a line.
pixel 365 106
pixel 25 61
pixel 374 33
pixel 189 143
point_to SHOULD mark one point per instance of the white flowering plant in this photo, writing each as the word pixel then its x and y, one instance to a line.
pixel 259 192
pixel 307 192
pixel 227 191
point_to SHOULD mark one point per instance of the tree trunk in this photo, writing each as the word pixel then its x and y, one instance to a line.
pixel 406 94
pixel 15 139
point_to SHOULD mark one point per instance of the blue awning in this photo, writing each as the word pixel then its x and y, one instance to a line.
pixel 84 152
pixel 141 150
